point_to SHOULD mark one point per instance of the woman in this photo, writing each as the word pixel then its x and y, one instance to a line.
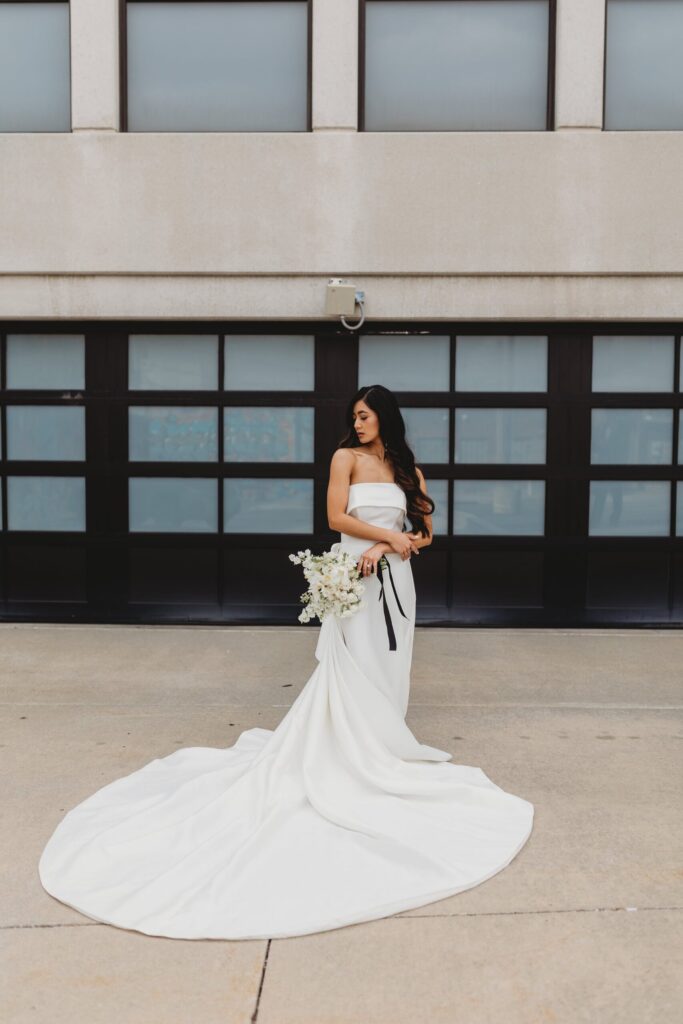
pixel 337 816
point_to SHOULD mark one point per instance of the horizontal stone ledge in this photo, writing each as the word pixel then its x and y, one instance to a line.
pixel 198 296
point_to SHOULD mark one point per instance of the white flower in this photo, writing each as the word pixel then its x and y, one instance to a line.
pixel 335 586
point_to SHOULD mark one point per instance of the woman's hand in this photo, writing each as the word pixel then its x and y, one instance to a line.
pixel 367 563
pixel 403 544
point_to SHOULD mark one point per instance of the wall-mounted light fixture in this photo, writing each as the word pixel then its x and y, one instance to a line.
pixel 341 299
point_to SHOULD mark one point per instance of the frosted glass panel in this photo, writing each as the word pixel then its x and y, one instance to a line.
pixel 172 505
pixel 277 362
pixel 44 361
pixel 638 362
pixel 434 65
pixel 34 67
pixel 174 362
pixel 268 434
pixel 46 502
pixel 404 363
pixel 500 435
pixel 644 71
pixel 265 505
pixel 629 507
pixel 172 434
pixel 499 507
pixel 427 433
pixel 217 66
pixel 45 432
pixel 630 436
pixel 501 362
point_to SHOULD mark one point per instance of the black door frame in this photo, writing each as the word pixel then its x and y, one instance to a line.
pixel 91 572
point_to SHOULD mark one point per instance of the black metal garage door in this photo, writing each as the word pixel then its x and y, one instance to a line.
pixel 163 472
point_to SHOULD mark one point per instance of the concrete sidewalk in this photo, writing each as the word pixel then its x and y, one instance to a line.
pixel 585 925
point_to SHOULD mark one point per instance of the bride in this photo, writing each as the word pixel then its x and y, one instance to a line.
pixel 339 815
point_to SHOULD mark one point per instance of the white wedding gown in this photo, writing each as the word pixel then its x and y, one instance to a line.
pixel 339 815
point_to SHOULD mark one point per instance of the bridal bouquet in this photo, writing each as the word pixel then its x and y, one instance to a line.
pixel 335 586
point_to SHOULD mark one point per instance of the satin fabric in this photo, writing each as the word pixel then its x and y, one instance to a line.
pixel 337 816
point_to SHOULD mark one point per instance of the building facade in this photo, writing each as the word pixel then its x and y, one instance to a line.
pixel 178 183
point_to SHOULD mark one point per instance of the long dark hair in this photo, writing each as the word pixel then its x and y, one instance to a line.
pixel 392 430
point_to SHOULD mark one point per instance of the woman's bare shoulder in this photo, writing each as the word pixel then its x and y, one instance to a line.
pixel 342 457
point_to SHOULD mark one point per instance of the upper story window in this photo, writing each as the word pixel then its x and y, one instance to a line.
pixel 456 65
pixel 35 91
pixel 218 66
pixel 644 65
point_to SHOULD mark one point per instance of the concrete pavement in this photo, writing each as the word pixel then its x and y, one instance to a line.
pixel 585 925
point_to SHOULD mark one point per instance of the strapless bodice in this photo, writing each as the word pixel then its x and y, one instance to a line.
pixel 381 504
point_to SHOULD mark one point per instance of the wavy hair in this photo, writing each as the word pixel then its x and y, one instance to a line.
pixel 392 430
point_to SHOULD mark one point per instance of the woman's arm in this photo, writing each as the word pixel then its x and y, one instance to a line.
pixel 337 499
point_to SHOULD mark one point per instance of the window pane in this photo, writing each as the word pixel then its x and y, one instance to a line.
pixel 504 362
pixel 499 507
pixel 427 433
pixel 404 363
pixel 172 434
pixel 281 362
pixel 174 362
pixel 438 490
pixel 637 362
pixel 268 434
pixel 500 435
pixel 43 361
pixel 644 72
pixel 254 505
pixel 34 67
pixel 46 502
pixel 217 66
pixel 434 65
pixel 630 436
pixel 172 505
pixel 45 432
pixel 631 507
pixel 679 509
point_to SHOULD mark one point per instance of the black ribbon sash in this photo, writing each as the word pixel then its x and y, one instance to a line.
pixel 383 597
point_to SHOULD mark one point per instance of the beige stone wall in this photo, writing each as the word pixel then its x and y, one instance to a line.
pixel 577 223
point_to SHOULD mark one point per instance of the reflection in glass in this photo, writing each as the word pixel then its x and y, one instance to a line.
pixel 217 66
pixel 46 502
pixel 279 362
pixel 500 435
pixel 45 361
pixel 172 362
pixel 630 436
pixel 499 507
pixel 638 362
pixel 172 505
pixel 266 505
pixel 35 77
pixel 442 66
pixel 404 363
pixel 643 70
pixel 268 434
pixel 501 362
pixel 182 433
pixel 427 433
pixel 629 507
pixel 45 432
